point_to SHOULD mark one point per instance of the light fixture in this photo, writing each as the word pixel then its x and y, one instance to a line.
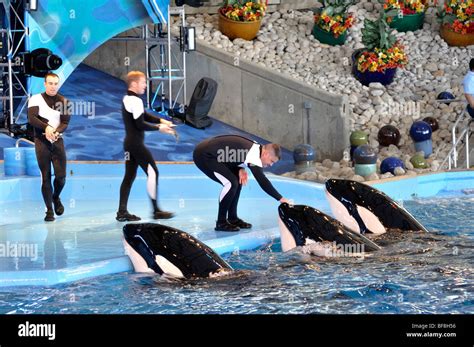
pixel 191 38
pixel 33 5
pixel 41 61
pixel 187 39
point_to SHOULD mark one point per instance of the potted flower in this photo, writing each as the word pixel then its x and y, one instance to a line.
pixel 332 21
pixel 378 62
pixel 410 14
pixel 457 22
pixel 241 18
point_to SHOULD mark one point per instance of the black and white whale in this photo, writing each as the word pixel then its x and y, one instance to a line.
pixel 367 210
pixel 302 225
pixel 167 251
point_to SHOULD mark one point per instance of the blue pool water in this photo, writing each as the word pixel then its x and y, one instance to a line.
pixel 413 273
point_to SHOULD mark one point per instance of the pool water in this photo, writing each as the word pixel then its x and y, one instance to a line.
pixel 414 273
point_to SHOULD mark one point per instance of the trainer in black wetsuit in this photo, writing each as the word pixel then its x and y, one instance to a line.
pixel 223 159
pixel 48 114
pixel 136 122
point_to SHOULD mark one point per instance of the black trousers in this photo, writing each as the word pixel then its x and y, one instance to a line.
pixel 228 177
pixel 48 153
pixel 138 155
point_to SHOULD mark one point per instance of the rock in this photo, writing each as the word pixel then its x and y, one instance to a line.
pixel 357 178
pixel 372 177
pixel 369 6
pixel 376 85
pixel 432 67
pixel 399 171
pixel 327 163
pixel 376 92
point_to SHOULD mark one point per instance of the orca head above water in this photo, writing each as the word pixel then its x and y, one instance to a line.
pixel 301 225
pixel 161 249
pixel 366 209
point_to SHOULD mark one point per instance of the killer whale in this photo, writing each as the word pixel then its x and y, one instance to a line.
pixel 300 225
pixel 365 209
pixel 164 250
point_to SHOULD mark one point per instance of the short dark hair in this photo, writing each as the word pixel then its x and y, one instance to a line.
pixel 50 74
pixel 471 64
pixel 275 149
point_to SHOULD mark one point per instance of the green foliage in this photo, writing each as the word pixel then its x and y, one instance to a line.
pixel 377 33
pixel 335 7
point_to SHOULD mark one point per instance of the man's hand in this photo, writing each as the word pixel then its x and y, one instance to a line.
pixel 166 122
pixel 283 201
pixel 243 177
pixel 167 129
pixel 51 134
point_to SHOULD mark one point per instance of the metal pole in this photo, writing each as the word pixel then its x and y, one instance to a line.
pixel 184 65
pixel 147 66
pixel 467 145
pixel 170 87
pixel 10 57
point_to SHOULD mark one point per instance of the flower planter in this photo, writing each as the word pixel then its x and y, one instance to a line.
pixel 328 38
pixel 409 22
pixel 236 29
pixel 368 77
pixel 453 38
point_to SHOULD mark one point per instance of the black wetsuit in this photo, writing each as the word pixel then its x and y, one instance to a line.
pixel 43 110
pixel 137 121
pixel 221 158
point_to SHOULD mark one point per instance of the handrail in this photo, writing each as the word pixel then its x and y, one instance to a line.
pixel 452 157
pixel 17 144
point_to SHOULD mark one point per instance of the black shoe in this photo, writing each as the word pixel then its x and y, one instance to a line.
pixel 158 214
pixel 49 216
pixel 240 223
pixel 58 206
pixel 226 226
pixel 125 216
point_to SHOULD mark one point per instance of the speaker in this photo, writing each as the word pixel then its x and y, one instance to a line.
pixel 200 104
pixel 192 3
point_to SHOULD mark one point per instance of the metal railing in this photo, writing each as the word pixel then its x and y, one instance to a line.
pixel 457 140
pixel 17 144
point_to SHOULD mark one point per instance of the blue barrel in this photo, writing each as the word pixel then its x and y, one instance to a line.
pixel 365 169
pixel 425 146
pixel 15 163
pixel 32 168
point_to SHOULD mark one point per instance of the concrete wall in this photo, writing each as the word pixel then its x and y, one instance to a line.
pixel 117 58
pixel 257 100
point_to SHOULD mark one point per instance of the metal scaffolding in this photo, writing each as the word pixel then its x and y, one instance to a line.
pixel 165 60
pixel 14 93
